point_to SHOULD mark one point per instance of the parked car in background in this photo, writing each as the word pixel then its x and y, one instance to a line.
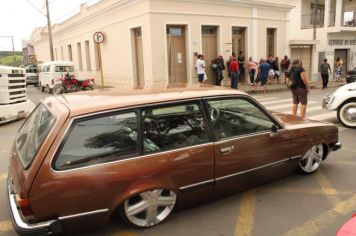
pixel 80 158
pixel 52 71
pixel 343 100
pixel 13 98
pixel 349 228
pixel 351 76
pixel 31 74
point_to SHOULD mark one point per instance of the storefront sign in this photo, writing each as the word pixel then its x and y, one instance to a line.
pixel 342 42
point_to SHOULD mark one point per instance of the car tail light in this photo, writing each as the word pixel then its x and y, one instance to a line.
pixel 25 207
pixel 354 215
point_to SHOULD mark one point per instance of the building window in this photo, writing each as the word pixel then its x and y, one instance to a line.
pixel 70 55
pixel 80 59
pixel 96 56
pixel 270 42
pixel 87 55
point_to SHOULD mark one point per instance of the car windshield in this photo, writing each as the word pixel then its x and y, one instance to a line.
pixel 33 133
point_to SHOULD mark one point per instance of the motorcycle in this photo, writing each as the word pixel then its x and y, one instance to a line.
pixel 69 83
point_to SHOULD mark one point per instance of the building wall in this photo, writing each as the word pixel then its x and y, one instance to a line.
pixel 117 18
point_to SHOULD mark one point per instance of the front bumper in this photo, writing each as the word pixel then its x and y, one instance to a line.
pixel 24 228
pixel 336 146
pixel 15 111
pixel 326 103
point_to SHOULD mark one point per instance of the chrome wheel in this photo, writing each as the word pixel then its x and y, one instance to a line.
pixel 149 208
pixel 347 114
pixel 312 159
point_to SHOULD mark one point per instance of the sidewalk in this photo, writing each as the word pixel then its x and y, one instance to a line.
pixel 274 87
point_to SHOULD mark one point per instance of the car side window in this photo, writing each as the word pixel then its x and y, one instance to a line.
pixel 237 117
pixel 99 140
pixel 173 126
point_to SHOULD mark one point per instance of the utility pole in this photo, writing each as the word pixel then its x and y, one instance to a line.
pixel 49 31
pixel 13 45
pixel 316 3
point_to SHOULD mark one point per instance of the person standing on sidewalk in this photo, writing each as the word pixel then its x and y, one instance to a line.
pixel 234 70
pixel 241 61
pixel 200 67
pixel 275 65
pixel 252 70
pixel 300 89
pixel 324 71
pixel 263 70
pixel 285 63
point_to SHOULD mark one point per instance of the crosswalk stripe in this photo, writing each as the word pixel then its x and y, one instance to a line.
pixel 289 100
pixel 266 99
pixel 288 105
pixel 324 116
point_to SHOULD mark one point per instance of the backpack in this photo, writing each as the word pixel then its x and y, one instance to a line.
pixel 291 82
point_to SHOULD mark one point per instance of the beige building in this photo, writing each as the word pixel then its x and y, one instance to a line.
pixel 335 33
pixel 154 43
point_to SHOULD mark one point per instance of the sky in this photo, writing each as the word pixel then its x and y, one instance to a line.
pixel 19 18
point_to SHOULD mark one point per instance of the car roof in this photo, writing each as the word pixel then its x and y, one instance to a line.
pixel 83 103
pixel 59 63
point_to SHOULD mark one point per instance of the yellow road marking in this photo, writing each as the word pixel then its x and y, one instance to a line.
pixel 313 227
pixel 5 226
pixel 330 192
pixel 3 177
pixel 325 191
pixel 124 233
pixel 245 218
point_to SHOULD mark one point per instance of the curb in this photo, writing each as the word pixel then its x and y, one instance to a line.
pixel 275 90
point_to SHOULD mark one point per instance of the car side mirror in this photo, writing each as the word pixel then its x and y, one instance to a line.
pixel 274 130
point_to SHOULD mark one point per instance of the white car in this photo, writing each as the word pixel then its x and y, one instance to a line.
pixel 343 100
pixel 52 71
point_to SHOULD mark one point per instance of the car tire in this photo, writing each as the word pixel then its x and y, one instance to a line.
pixel 58 89
pixel 89 87
pixel 346 114
pixel 312 159
pixel 148 208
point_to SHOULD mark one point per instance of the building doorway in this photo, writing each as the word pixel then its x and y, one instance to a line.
pixel 238 46
pixel 210 50
pixel 303 52
pixel 176 54
pixel 270 44
pixel 342 54
pixel 139 76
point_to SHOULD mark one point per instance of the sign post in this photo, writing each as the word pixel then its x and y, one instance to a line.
pixel 98 39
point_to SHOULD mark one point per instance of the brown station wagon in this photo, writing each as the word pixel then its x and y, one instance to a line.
pixel 80 158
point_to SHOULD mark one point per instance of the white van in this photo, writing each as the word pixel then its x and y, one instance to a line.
pixel 51 71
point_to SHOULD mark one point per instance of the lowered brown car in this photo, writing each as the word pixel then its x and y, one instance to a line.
pixel 80 158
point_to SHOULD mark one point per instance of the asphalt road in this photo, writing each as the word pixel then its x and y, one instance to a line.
pixel 316 204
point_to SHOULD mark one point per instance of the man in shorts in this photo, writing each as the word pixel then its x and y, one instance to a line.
pixel 301 89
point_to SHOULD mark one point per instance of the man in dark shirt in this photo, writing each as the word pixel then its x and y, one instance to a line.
pixel 301 89
pixel 285 63
pixel 324 72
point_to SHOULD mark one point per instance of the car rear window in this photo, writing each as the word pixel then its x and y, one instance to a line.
pixel 32 134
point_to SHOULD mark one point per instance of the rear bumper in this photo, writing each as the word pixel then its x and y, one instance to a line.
pixel 23 228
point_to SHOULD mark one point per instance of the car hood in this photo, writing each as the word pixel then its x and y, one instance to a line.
pixel 346 87
pixel 291 120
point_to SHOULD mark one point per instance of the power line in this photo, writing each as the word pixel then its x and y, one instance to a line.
pixel 34 6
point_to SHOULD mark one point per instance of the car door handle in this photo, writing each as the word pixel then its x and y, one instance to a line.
pixel 226 150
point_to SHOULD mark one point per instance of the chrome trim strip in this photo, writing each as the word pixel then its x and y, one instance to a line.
pixel 295 157
pixel 250 170
pixel 196 184
pixel 83 214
